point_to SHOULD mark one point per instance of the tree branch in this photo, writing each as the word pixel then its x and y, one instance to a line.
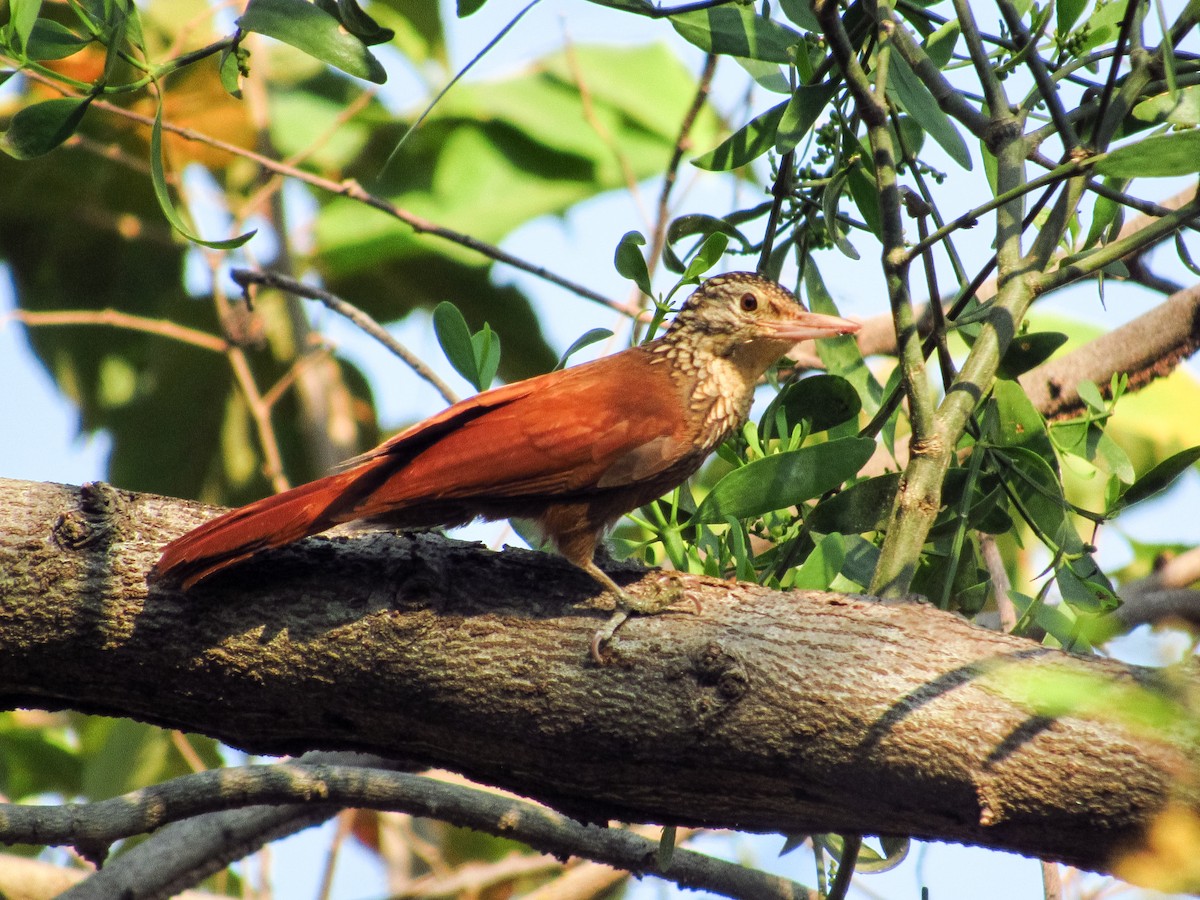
pixel 437 652
pixel 1147 348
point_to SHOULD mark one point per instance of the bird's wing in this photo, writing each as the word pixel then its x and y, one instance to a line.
pixel 605 424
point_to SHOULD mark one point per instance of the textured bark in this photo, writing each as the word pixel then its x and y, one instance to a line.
pixel 766 712
pixel 1146 349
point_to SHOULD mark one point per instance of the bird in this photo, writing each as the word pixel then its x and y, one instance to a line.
pixel 572 450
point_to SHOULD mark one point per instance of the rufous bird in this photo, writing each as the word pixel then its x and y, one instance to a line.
pixel 572 450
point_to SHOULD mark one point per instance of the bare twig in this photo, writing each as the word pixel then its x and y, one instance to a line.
pixel 97 824
pixel 114 318
pixel 355 191
pixel 245 278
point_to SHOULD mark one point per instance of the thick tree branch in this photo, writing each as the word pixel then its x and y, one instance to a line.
pixel 820 712
pixel 1146 349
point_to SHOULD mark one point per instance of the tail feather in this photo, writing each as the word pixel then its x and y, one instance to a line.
pixel 270 522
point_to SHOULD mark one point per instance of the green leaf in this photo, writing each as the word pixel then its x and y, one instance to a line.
pixel 231 68
pixel 1035 485
pixel 1158 156
pixel 858 509
pixel 866 197
pixel 841 354
pixel 823 565
pixel 464 8
pixel 914 98
pixel 630 263
pixel 783 480
pixel 51 40
pixel 801 113
pixel 1181 110
pixel 707 256
pixel 825 401
pixel 1084 587
pixel 1159 478
pixel 159 179
pixel 1068 12
pixel 313 31
pixel 486 346
pixel 800 12
pixel 1019 424
pixel 735 30
pixel 356 21
pixel 1107 216
pixel 592 336
pixel 746 144
pixel 455 339
pixel 895 851
pixel 939 46
pixel 695 224
pixel 1028 351
pixel 1090 394
pixel 36 130
pixel 23 16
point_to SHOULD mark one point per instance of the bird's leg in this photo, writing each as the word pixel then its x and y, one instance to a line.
pixel 575 535
pixel 626 605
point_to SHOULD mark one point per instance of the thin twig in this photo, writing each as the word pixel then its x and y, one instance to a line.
pixel 260 412
pixel 659 236
pixel 114 318
pixel 353 190
pixel 245 278
pixel 101 822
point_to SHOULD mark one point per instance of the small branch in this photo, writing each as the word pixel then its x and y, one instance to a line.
pixel 103 822
pixel 951 100
pixel 355 191
pixel 971 218
pixel 1047 87
pixel 114 318
pixel 984 68
pixel 245 277
pixel 1114 250
pixel 703 87
pixel 260 412
pixel 1146 349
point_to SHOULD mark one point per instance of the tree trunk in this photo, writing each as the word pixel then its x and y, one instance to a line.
pixel 767 711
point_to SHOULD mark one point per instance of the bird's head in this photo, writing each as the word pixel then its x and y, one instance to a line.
pixel 750 319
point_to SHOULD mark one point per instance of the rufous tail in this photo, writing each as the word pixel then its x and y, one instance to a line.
pixel 270 522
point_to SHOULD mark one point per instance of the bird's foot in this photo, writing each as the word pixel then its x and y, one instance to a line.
pixel 628 604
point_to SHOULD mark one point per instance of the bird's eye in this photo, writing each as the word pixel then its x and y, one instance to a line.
pixel 749 302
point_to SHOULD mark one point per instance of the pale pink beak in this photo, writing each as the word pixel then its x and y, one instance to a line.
pixel 805 325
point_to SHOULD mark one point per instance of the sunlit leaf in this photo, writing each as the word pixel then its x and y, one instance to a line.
pixel 736 30
pixel 746 144
pixel 801 113
pixel 313 31
pixel 1160 477
pixel 1158 156
pixel 1181 110
pixel 785 479
pixel 915 99
pixel 709 254
pixel 158 178
pixel 817 572
pixel 23 15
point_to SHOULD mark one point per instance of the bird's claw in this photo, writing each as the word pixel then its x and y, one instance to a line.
pixel 628 605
